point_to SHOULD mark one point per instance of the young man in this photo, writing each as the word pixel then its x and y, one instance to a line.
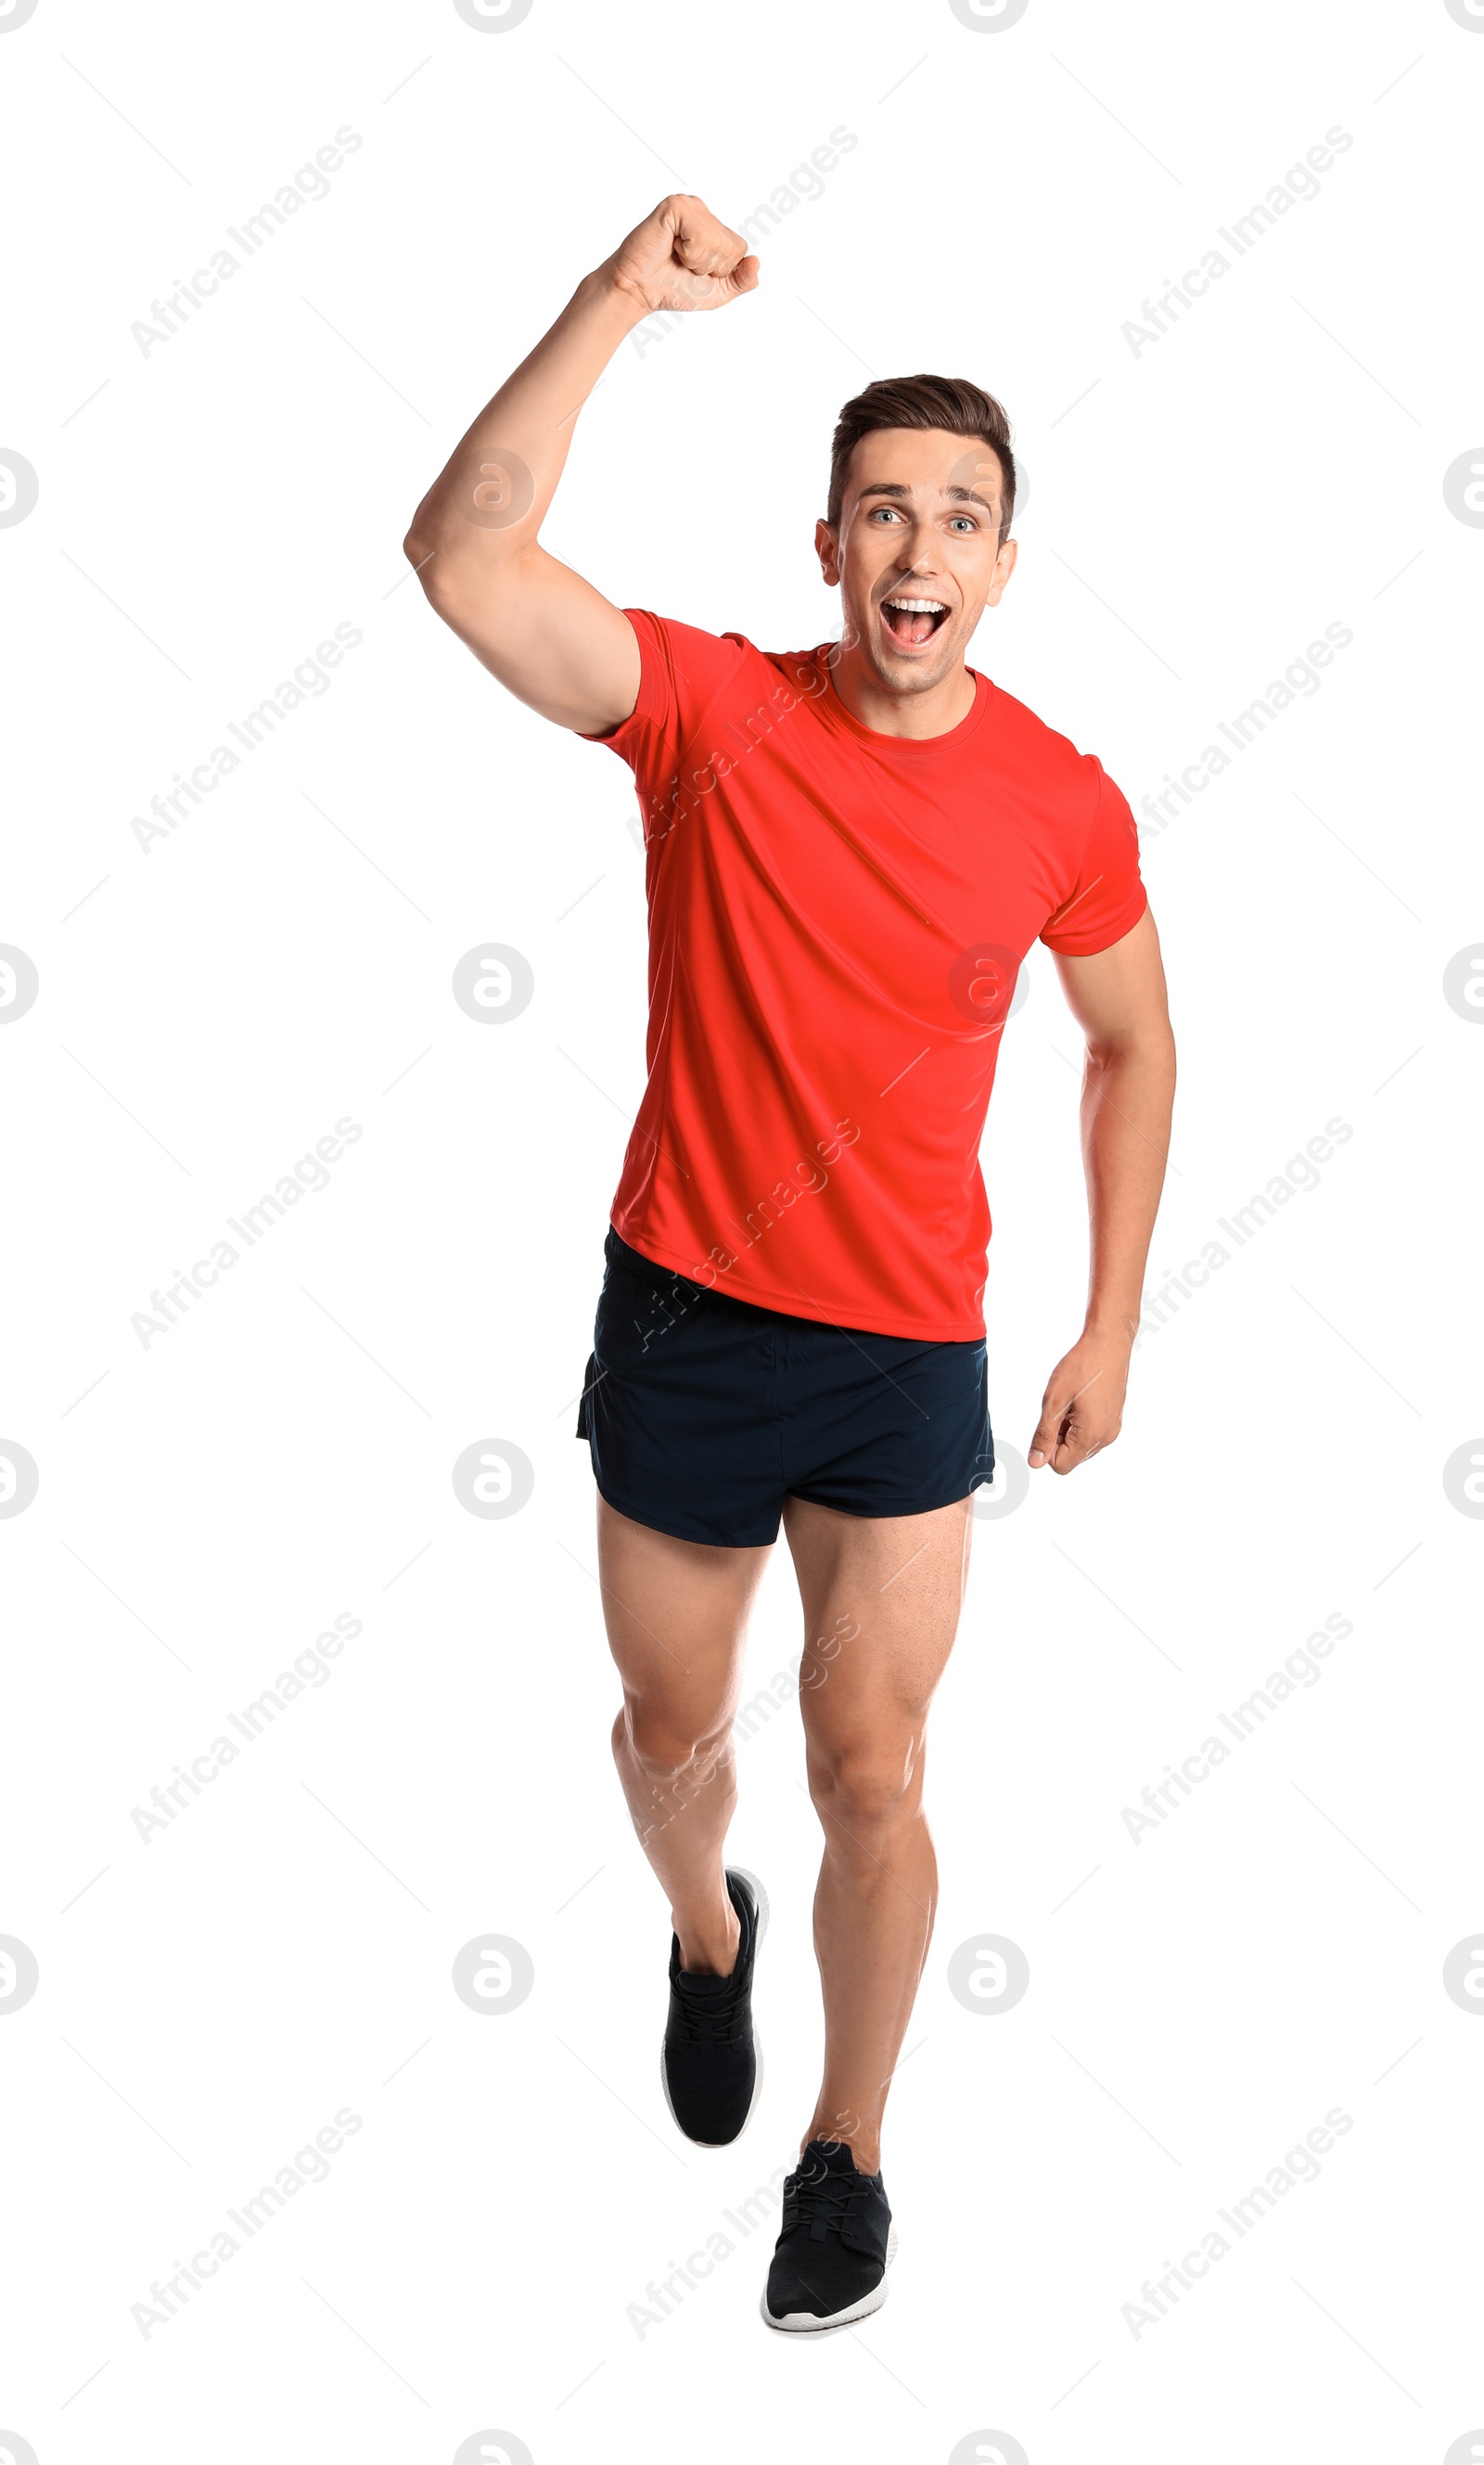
pixel 849 853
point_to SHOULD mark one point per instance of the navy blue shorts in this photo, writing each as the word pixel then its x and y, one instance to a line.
pixel 703 1413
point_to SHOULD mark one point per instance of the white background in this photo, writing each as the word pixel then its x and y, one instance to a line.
pixel 209 511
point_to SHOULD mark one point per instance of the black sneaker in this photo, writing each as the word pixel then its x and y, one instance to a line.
pixel 836 2244
pixel 710 2065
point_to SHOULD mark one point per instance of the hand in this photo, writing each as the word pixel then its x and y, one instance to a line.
pixel 1082 1409
pixel 681 256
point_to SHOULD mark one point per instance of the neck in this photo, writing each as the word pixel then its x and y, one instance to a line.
pixel 930 711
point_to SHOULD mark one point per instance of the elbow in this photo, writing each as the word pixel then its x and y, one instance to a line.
pixel 427 545
pixel 438 565
pixel 1151 1043
pixel 461 577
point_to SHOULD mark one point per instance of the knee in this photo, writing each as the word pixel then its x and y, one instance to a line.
pixel 664 1750
pixel 867 1783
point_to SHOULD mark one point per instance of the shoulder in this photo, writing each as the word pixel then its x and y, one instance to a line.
pixel 689 673
pixel 690 650
pixel 1057 764
pixel 1046 745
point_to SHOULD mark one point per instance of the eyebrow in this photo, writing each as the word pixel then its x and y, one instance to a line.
pixel 894 488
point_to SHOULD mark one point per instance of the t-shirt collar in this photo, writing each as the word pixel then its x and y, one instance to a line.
pixel 914 748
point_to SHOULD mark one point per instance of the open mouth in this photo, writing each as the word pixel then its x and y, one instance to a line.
pixel 912 621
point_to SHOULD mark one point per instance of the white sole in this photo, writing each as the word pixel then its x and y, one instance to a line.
pixel 760 1898
pixel 805 2323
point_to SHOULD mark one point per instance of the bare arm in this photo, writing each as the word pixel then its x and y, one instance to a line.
pixel 1118 1001
pixel 547 634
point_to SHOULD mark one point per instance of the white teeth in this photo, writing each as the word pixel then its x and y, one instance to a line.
pixel 919 607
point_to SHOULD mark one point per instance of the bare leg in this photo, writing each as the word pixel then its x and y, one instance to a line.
pixel 677 1614
pixel 881 1599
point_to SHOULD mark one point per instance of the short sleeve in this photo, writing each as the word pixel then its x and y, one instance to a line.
pixel 1108 896
pixel 682 671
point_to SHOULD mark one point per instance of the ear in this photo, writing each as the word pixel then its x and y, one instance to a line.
pixel 827 549
pixel 1004 568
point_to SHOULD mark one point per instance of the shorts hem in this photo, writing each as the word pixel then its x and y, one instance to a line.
pixel 676 1530
pixel 880 1513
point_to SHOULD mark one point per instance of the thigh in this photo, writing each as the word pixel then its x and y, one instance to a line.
pixel 882 1427
pixel 677 1615
pixel 881 1598
pixel 679 1406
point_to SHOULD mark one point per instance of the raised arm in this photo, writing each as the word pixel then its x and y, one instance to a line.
pixel 547 634
pixel 1117 999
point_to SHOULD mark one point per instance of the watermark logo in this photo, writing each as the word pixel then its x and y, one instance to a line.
pixel 988 1974
pixel 20 1975
pixel 172 1798
pixel 309 185
pixel 1164 1797
pixel 1299 679
pixel 496 489
pixel 663 2296
pixel 19 1477
pixel 14 13
pixel 19 485
pixel 1158 2296
pixel 484 2447
pixel 169 2296
pixel 1300 1173
pixel 1463 1478
pixel 982 984
pixel 13 2449
pixel 1009 1488
pixel 185 796
pixel 805 184
pixel 493 984
pixel 1463 481
pixel 988 16
pixel 1469 2449
pixel 19 983
pixel 1300 184
pixel 1470 14
pixel 493 1974
pixel 493 18
pixel 492 1477
pixel 1463 1977
pixel 1463 982
pixel 980 470
pixel 311 1174
pixel 988 2448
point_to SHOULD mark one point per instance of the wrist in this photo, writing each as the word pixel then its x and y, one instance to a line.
pixel 616 293
pixel 1110 1326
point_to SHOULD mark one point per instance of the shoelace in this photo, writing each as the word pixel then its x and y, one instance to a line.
pixel 710 2014
pixel 821 2201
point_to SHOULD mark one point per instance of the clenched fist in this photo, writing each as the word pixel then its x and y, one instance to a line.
pixel 681 256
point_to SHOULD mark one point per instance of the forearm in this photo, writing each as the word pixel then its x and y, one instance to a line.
pixel 489 501
pixel 1127 1099
pixel 551 637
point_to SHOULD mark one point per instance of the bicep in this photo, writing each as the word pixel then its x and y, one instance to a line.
pixel 549 637
pixel 1117 996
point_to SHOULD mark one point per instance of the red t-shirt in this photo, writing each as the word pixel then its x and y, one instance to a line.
pixel 835 921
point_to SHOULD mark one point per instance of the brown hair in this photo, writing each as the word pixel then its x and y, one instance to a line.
pixel 950 403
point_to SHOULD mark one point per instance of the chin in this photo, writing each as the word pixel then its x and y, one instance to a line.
pixel 916 676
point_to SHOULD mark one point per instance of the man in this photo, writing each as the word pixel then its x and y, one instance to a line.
pixel 848 852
